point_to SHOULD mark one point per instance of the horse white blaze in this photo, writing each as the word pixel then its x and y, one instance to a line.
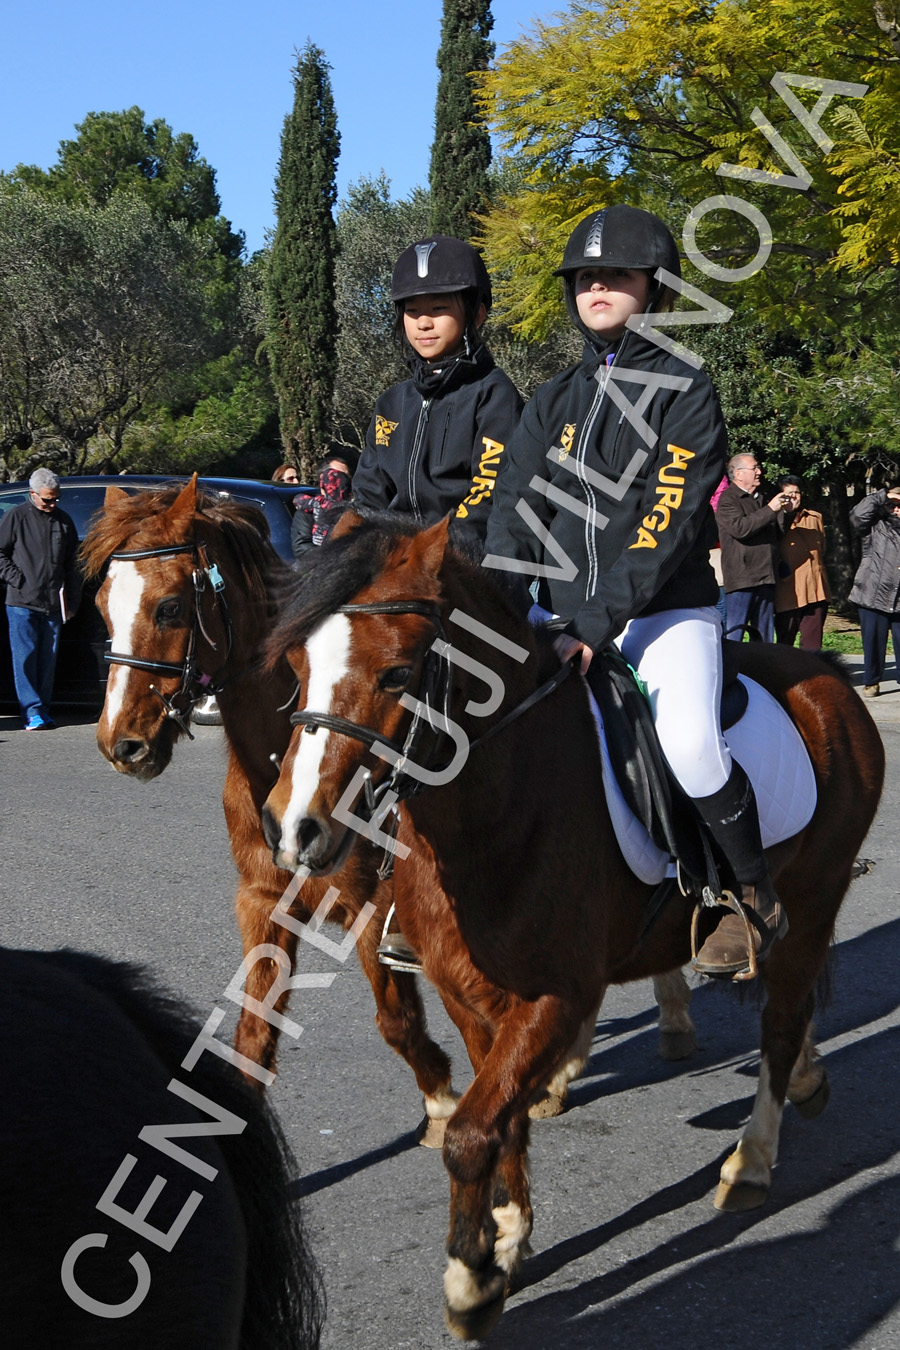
pixel 328 654
pixel 126 586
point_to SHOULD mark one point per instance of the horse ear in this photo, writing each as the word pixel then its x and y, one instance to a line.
pixel 347 521
pixel 185 504
pixel 429 547
pixel 113 495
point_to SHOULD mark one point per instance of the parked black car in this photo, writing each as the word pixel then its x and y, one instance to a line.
pixel 81 670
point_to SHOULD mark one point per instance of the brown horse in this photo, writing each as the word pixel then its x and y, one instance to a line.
pixel 509 879
pixel 188 598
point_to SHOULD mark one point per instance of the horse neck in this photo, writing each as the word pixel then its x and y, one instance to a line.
pixel 251 697
pixel 487 781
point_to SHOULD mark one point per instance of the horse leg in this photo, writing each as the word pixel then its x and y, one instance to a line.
pixel 677 1037
pixel 485 1156
pixel 808 1088
pixel 400 1018
pixel 255 1037
pixel 553 1102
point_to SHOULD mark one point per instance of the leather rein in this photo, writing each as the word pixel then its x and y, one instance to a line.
pixel 432 709
pixel 194 684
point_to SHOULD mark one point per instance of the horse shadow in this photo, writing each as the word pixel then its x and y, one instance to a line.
pixel 722 1277
pixel 863 990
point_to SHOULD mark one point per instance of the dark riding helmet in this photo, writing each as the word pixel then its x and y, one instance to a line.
pixel 620 236
pixel 438 265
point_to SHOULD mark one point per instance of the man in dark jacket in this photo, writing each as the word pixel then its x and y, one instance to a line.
pixel 749 530
pixel 876 587
pixel 38 562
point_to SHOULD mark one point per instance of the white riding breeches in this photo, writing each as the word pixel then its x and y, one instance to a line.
pixel 678 655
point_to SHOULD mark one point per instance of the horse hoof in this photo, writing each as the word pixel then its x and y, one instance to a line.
pixel 549 1105
pixel 430 1133
pixel 741 1196
pixel 676 1044
pixel 814 1106
pixel 473 1324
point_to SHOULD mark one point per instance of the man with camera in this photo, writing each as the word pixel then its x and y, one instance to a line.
pixel 749 531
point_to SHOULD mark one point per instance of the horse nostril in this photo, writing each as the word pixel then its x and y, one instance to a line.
pixel 313 840
pixel 271 829
pixel 130 752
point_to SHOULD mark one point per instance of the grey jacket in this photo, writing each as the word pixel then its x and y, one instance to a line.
pixel 877 581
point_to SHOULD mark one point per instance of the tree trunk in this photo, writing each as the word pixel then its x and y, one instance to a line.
pixel 842 553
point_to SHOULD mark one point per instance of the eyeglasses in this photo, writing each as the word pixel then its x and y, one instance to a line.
pixel 48 501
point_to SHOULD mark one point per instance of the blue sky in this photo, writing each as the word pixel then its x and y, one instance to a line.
pixel 221 71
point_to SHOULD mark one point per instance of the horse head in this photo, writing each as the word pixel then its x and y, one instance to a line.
pixel 169 598
pixel 357 634
pixel 388 705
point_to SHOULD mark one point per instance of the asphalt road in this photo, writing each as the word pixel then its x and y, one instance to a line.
pixel 629 1251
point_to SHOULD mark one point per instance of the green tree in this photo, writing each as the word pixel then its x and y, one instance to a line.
pixel 302 325
pixel 101 309
pixel 372 232
pixel 461 150
pixel 116 152
pixel 645 101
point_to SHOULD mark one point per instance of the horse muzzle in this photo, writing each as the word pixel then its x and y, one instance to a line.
pixel 310 844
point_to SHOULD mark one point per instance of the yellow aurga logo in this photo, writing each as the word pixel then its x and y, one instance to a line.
pixel 383 429
pixel 669 494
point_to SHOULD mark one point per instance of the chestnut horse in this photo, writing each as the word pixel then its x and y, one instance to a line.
pixel 509 879
pixel 188 598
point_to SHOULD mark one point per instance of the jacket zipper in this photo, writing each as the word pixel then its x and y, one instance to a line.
pixel 416 453
pixel 580 453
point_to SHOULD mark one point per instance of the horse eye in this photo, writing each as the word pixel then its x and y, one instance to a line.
pixel 395 680
pixel 168 610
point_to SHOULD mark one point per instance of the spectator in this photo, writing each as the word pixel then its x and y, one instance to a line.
pixel 38 549
pixel 877 581
pixel 749 530
pixel 802 591
pixel 286 473
pixel 315 515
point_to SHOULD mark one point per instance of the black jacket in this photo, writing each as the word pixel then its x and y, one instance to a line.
pixel 38 556
pixel 433 450
pixel 877 581
pixel 627 467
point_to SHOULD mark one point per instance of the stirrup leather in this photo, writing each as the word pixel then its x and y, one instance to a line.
pixel 750 919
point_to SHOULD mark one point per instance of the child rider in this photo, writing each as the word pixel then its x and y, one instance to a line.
pixel 634 438
pixel 436 440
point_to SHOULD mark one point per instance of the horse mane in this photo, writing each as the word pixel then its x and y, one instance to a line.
pixel 243 526
pixel 332 575
pixel 284 1301
pixel 342 567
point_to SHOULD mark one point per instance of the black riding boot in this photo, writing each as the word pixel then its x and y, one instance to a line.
pixel 739 943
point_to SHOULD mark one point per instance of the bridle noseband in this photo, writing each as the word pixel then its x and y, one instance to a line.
pixel 194 684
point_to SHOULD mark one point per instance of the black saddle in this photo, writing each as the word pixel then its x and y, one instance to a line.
pixel 647 783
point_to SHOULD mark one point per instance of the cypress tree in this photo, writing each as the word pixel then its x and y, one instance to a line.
pixel 300 292
pixel 461 151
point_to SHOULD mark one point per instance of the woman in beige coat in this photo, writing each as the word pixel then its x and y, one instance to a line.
pixel 802 591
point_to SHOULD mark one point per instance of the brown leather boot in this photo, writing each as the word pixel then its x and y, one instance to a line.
pixel 744 937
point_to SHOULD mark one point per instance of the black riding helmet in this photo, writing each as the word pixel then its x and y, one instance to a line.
pixel 441 265
pixel 619 236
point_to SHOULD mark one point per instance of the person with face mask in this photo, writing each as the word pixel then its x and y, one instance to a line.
pixel 315 516
pixel 604 494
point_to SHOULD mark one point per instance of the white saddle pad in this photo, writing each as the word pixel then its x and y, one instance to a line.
pixel 771 751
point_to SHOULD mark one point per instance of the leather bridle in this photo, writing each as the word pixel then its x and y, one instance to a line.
pixel 432 709
pixel 195 685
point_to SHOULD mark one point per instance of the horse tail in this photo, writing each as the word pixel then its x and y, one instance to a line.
pixel 284 1306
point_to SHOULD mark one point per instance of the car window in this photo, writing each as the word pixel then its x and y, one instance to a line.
pixel 10 499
